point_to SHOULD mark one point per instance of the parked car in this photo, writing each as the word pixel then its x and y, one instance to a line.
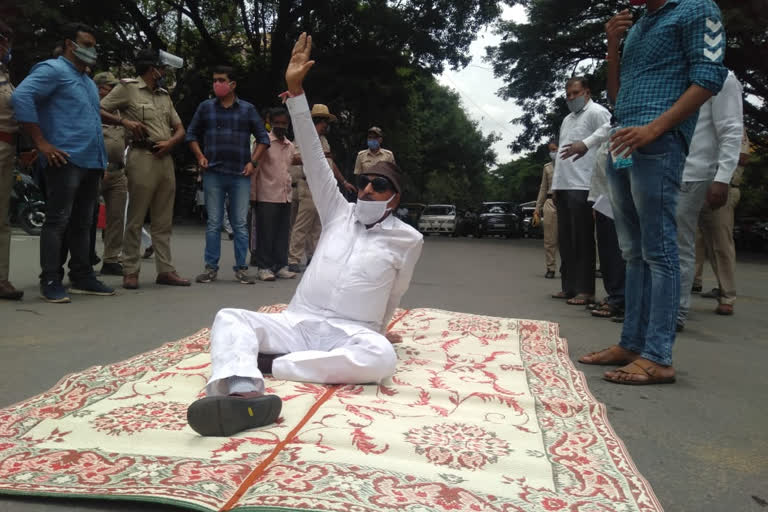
pixel 750 233
pixel 440 218
pixel 529 230
pixel 500 218
pixel 410 213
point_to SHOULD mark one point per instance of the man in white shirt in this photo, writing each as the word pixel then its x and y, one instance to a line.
pixel 570 185
pixel 333 329
pixel 711 162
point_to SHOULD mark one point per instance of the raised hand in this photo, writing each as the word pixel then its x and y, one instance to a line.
pixel 618 26
pixel 299 65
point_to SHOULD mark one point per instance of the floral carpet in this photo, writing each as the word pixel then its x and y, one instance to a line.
pixel 483 414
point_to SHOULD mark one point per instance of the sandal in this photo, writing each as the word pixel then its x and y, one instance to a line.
pixel 606 310
pixel 580 300
pixel 608 361
pixel 640 367
pixel 560 295
pixel 595 305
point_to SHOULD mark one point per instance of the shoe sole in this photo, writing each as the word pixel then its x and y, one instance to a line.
pixel 245 282
pixel 269 279
pixel 76 291
pixel 203 281
pixel 65 300
pixel 223 416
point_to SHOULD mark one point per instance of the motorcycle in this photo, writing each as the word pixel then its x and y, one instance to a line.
pixel 27 207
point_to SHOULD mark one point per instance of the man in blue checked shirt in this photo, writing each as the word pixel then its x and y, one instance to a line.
pixel 57 105
pixel 671 64
pixel 223 126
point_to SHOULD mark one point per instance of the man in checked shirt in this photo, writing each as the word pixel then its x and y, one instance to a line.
pixel 672 62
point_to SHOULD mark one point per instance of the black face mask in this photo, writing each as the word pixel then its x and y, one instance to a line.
pixel 279 132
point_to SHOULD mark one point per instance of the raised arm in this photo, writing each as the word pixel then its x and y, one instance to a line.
pixel 320 179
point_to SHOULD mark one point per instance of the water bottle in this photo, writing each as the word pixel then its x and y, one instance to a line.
pixel 622 160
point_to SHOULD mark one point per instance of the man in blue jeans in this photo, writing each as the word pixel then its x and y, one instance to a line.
pixel 58 107
pixel 671 64
pixel 223 126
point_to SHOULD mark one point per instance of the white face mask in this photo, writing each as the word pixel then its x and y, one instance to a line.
pixel 553 155
pixel 370 212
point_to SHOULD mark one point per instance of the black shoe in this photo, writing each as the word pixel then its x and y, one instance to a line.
pixel 148 253
pixel 111 269
pixel 713 294
pixel 95 260
pixel 550 274
pixel 696 288
pixel 224 416
pixel 293 267
pixel 680 326
pixel 264 362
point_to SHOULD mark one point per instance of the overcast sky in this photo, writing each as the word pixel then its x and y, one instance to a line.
pixel 477 87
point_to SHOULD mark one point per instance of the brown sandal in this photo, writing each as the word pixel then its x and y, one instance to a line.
pixel 606 311
pixel 640 367
pixel 607 362
pixel 580 300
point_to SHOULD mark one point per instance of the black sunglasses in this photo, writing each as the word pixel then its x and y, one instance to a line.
pixel 379 183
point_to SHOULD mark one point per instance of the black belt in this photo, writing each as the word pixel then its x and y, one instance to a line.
pixel 143 144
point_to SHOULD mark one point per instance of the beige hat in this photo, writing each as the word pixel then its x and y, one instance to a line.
pixel 105 77
pixel 320 110
pixel 376 130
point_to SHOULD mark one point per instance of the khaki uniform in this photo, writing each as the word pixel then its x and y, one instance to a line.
pixel 151 181
pixel 367 159
pixel 114 189
pixel 8 126
pixel 306 227
pixel 548 213
pixel 714 240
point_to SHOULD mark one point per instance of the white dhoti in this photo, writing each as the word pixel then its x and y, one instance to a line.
pixel 316 351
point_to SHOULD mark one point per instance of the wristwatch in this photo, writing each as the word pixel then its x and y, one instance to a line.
pixel 255 163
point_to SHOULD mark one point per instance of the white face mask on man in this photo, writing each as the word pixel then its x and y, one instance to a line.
pixel 370 212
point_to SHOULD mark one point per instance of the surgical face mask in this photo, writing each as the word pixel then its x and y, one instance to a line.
pixel 87 55
pixel 373 144
pixel 370 212
pixel 577 104
pixel 6 58
pixel 221 89
pixel 553 155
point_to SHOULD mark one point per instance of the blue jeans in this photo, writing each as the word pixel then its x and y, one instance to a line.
pixel 644 199
pixel 216 187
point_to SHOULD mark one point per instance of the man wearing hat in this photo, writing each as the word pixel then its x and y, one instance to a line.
pixel 306 224
pixel 367 158
pixel 154 128
pixel 114 185
pixel 334 329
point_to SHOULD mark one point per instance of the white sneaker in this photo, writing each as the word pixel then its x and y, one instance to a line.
pixel 265 274
pixel 284 273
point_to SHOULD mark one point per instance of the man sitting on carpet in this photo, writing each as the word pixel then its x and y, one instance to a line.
pixel 332 330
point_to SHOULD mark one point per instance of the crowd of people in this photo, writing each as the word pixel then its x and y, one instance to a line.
pixel 113 138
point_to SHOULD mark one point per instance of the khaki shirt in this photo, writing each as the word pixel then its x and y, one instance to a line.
pixel 137 102
pixel 297 171
pixel 546 185
pixel 367 159
pixel 7 121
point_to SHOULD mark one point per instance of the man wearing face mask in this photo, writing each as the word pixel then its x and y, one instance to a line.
pixel 570 185
pixel 375 153
pixel 334 330
pixel 57 105
pixel 546 213
pixel 223 127
pixel 154 128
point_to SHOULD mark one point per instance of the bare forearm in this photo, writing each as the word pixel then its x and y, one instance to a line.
pixel 194 146
pixel 108 118
pixel 34 132
pixel 684 107
pixel 336 172
pixel 260 149
pixel 178 135
pixel 612 78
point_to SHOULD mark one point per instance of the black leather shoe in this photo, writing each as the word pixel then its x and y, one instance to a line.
pixel 111 269
pixel 550 274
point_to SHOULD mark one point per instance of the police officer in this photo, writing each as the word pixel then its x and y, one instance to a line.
pixel 546 213
pixel 8 129
pixel 114 186
pixel 154 129
pixel 367 158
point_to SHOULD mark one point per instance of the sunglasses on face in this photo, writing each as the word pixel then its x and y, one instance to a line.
pixel 379 183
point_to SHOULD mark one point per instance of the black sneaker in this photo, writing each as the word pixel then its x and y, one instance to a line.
pixel 206 277
pixel 111 269
pixel 91 286
pixel 696 288
pixel 293 267
pixel 54 291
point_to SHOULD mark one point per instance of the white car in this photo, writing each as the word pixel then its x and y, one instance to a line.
pixel 439 218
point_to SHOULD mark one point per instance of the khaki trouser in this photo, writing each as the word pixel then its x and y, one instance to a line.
pixel 151 187
pixel 114 189
pixel 7 152
pixel 549 227
pixel 716 228
pixel 306 227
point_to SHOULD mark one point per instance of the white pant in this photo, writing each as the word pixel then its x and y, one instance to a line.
pixel 316 351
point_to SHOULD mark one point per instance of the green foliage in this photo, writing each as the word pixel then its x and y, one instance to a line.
pixel 518 180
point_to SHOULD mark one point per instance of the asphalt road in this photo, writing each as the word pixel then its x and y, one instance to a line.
pixel 702 443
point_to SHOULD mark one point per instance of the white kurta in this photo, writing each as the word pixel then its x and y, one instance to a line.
pixel 332 329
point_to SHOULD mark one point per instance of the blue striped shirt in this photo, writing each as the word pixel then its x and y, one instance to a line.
pixel 65 104
pixel 666 51
pixel 225 134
